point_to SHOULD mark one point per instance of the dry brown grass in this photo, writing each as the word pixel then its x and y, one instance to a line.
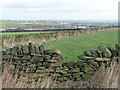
pixel 13 82
pixel 0 82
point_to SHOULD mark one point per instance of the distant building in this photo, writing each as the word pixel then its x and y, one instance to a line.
pixel 94 27
pixel 2 29
pixel 82 27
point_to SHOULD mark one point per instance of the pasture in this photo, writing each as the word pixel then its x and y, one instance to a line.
pixel 71 47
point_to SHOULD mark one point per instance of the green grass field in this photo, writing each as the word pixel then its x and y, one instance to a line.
pixel 73 46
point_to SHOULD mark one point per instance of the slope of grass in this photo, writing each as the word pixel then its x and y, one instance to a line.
pixel 71 47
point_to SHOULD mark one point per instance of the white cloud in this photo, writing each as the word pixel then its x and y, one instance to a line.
pixel 59 9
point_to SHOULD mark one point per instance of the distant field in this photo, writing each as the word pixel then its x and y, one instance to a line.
pixel 73 46
pixel 23 23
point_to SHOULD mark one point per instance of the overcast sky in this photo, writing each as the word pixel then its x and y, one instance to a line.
pixel 59 9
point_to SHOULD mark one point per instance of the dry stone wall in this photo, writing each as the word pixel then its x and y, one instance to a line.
pixel 31 63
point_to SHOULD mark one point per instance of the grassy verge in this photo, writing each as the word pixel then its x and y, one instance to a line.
pixel 20 33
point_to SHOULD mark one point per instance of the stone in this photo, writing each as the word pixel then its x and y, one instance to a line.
pixel 47 57
pixel 94 54
pixel 56 56
pixel 49 52
pixel 31 46
pixel 36 48
pixel 99 53
pixel 57 75
pixel 41 49
pixel 39 64
pixel 20 50
pixel 67 64
pixel 117 47
pixel 4 57
pixel 8 51
pixel 26 49
pixel 63 72
pixel 105 50
pixel 65 78
pixel 32 66
pixel 16 58
pixel 78 79
pixel 52 61
pixel 60 79
pixel 14 50
pixel 46 64
pixel 40 68
pixel 3 52
pixel 88 53
pixel 107 53
pixel 74 71
pixel 86 57
pixel 36 59
pixel 101 47
pixel 94 63
pixel 55 64
pixel 26 57
pixel 113 52
pixel 102 59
